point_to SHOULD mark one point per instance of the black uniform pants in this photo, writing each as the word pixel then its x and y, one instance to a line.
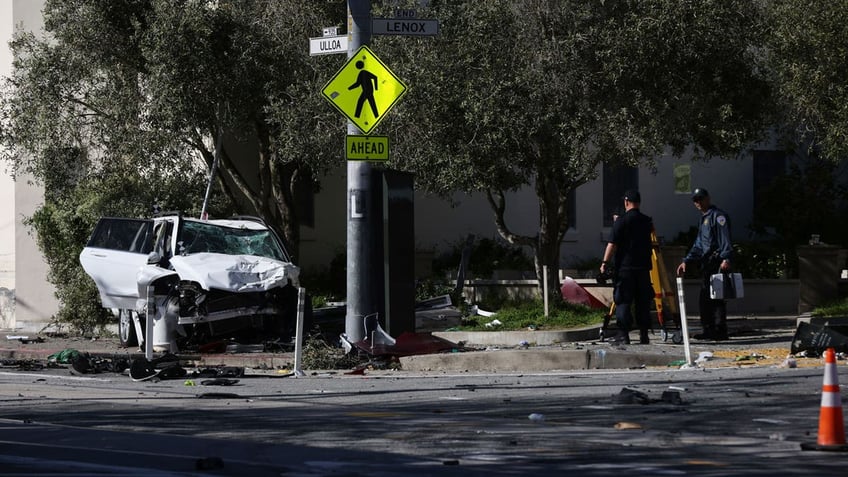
pixel 713 312
pixel 633 287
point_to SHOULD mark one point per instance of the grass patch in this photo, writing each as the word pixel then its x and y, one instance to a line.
pixel 837 308
pixel 525 315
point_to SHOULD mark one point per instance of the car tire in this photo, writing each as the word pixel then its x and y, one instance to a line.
pixel 126 329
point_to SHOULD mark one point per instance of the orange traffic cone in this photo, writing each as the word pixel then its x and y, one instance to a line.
pixel 831 422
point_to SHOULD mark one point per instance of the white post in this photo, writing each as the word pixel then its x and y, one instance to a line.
pixel 298 334
pixel 683 326
pixel 148 323
pixel 545 287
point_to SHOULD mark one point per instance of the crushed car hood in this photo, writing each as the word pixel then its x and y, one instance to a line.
pixel 236 273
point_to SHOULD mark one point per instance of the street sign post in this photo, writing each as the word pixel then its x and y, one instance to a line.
pixel 405 26
pixel 364 89
pixel 367 148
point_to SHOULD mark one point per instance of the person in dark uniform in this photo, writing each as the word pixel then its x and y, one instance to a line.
pixel 630 246
pixel 712 251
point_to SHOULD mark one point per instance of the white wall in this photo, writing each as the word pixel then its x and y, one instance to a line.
pixel 26 270
pixel 7 193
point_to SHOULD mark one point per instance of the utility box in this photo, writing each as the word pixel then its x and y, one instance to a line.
pixel 395 278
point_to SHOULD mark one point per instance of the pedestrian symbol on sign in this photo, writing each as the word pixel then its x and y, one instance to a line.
pixel 364 79
pixel 368 83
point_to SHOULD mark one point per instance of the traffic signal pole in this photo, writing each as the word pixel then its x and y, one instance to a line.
pixel 361 222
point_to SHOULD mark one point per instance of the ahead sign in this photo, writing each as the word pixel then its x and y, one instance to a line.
pixel 367 148
pixel 404 26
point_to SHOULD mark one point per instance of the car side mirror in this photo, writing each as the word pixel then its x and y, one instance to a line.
pixel 154 258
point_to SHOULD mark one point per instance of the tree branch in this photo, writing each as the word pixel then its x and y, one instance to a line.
pixel 497 202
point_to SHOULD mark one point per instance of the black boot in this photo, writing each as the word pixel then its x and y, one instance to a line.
pixel 708 334
pixel 643 337
pixel 621 337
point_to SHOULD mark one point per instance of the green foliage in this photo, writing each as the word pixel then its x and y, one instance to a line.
pixel 524 314
pixel 425 289
pixel 80 308
pixel 808 56
pixel 765 260
pixel 837 308
pixel 487 255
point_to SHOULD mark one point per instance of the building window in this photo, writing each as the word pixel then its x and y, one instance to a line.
pixel 682 178
pixel 617 179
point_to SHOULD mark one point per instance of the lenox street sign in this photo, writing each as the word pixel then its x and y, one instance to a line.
pixel 404 26
pixel 367 148
pixel 328 45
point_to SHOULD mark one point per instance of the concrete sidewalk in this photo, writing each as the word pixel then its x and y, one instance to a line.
pixel 764 338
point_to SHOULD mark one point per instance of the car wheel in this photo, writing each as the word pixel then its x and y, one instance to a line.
pixel 126 329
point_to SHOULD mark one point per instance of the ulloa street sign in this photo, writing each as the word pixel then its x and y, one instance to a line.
pixel 367 148
pixel 328 45
pixel 364 89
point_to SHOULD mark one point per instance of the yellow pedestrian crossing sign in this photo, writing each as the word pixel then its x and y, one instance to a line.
pixel 364 90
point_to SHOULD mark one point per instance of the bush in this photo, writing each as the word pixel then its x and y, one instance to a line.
pixel 530 314
pixel 487 255
pixel 836 308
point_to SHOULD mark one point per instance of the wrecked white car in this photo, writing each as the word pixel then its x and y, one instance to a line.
pixel 210 278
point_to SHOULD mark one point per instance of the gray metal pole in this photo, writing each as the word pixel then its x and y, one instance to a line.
pixel 360 292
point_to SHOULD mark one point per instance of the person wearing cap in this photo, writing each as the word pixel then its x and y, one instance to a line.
pixel 712 251
pixel 629 249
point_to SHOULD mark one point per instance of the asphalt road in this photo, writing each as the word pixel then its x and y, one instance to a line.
pixel 748 420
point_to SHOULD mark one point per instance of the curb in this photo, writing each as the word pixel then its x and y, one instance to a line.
pixel 537 360
pixel 514 338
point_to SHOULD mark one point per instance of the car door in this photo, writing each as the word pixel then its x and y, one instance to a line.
pixel 115 253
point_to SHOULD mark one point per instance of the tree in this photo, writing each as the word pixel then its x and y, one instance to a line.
pixel 541 93
pixel 119 105
pixel 809 57
pixel 145 88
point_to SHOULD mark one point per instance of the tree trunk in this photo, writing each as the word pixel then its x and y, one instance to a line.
pixel 553 222
pixel 273 198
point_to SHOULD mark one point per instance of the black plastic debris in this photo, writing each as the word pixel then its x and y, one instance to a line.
pixel 814 339
pixel 219 382
pixel 630 396
pixel 220 372
pixel 218 396
pixel 85 363
pixel 671 397
pixel 163 367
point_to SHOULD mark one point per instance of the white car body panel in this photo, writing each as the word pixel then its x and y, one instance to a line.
pixel 114 272
pixel 236 273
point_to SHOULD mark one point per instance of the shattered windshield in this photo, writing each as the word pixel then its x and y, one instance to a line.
pixel 206 237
